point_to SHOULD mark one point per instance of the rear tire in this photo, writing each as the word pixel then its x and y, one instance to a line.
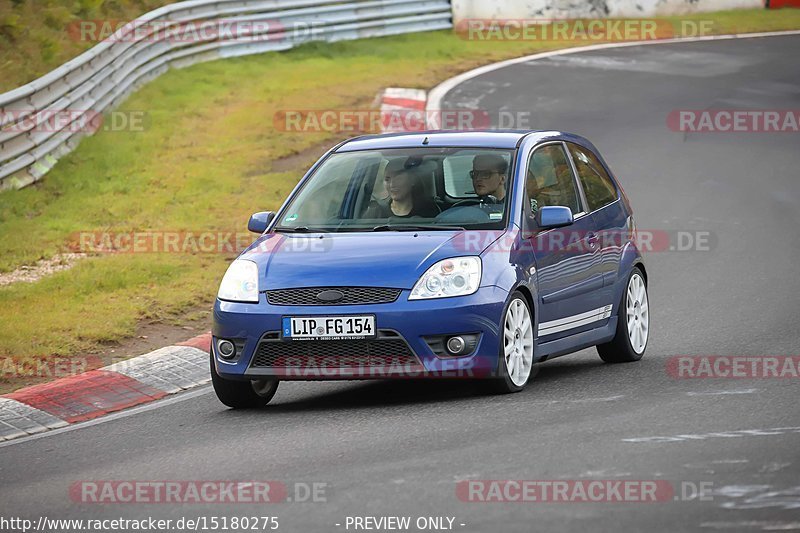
pixel 515 357
pixel 633 323
pixel 242 394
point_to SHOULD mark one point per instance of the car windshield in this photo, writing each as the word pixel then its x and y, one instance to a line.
pixel 403 190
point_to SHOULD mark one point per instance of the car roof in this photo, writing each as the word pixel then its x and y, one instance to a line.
pixel 468 139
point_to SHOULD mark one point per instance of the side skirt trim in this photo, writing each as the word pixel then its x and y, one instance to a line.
pixel 575 321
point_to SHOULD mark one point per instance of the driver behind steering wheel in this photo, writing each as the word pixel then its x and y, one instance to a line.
pixel 489 182
pixel 489 178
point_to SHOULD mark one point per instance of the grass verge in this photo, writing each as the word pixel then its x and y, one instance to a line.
pixel 36 36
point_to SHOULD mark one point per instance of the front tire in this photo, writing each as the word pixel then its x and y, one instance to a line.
pixel 633 323
pixel 516 350
pixel 242 394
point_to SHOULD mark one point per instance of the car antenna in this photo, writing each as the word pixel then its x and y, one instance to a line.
pixel 425 140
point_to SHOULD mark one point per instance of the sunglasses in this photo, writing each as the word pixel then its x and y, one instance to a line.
pixel 482 174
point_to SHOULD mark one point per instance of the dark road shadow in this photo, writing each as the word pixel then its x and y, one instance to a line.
pixel 548 380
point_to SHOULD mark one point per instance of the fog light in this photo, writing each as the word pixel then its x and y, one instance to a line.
pixel 455 345
pixel 226 349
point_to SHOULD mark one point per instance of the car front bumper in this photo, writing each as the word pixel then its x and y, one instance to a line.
pixel 405 331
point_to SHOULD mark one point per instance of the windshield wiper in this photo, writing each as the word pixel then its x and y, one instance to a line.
pixel 300 229
pixel 421 227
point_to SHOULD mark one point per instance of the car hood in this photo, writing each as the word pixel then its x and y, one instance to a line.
pixel 380 259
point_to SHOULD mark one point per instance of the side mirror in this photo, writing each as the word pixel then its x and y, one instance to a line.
pixel 259 221
pixel 554 216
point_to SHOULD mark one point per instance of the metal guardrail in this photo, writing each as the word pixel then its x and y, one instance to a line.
pixel 100 78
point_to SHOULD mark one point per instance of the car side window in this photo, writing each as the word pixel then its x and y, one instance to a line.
pixel 597 184
pixel 550 180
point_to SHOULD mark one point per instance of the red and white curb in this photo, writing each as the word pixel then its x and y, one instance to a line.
pixel 403 110
pixel 92 394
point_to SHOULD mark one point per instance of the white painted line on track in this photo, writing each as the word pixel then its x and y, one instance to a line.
pixel 753 525
pixel 721 392
pixel 717 434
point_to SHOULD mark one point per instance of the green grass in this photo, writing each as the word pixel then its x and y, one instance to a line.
pixel 204 163
pixel 35 35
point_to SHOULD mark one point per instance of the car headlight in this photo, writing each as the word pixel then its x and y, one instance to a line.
pixel 240 283
pixel 458 276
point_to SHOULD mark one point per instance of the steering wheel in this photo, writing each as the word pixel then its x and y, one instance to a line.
pixel 463 215
pixel 464 203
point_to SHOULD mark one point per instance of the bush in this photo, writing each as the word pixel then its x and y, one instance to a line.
pixel 11 26
pixel 90 7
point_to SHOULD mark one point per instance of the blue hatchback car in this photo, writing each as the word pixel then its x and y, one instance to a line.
pixel 438 254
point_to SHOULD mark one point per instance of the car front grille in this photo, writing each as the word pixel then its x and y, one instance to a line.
pixel 389 349
pixel 350 296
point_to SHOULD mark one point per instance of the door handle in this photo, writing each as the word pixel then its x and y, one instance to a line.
pixel 591 240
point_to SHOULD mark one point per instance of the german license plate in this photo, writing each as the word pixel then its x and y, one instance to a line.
pixel 328 327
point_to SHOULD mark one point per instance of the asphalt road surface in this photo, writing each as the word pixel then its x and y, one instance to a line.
pixel 399 448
